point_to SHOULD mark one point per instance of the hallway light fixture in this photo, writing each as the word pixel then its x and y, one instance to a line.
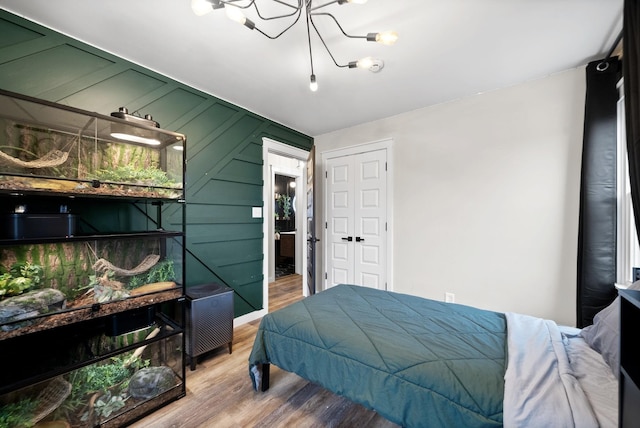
pixel 234 10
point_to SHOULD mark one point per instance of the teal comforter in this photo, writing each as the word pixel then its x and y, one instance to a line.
pixel 417 362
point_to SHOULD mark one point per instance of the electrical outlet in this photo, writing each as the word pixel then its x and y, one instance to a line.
pixel 636 273
pixel 449 297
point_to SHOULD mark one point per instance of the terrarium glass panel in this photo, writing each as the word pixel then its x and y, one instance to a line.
pixel 45 147
pixel 109 392
pixel 46 285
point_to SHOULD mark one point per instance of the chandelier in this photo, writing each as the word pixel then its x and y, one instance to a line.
pixel 292 14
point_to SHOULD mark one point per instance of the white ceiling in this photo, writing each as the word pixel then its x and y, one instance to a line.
pixel 448 49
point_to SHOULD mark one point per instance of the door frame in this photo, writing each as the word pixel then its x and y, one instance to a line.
pixel 276 147
pixel 386 144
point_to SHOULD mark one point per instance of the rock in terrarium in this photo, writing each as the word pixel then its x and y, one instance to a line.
pixel 151 381
pixel 29 305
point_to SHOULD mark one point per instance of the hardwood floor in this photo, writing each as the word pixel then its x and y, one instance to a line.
pixel 220 394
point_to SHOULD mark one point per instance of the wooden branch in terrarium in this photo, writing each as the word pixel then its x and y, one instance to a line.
pixel 51 397
pixel 102 265
pixel 50 159
pixel 138 352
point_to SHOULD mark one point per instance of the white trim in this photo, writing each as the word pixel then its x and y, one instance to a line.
pixel 628 250
pixel 386 144
pixel 251 316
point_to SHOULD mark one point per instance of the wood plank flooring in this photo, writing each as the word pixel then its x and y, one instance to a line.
pixel 220 394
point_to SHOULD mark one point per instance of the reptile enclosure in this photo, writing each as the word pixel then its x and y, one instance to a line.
pixel 91 265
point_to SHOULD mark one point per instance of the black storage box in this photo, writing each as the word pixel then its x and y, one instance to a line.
pixel 21 225
pixel 126 322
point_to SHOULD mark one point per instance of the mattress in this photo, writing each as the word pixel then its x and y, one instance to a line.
pixel 415 361
pixel 424 363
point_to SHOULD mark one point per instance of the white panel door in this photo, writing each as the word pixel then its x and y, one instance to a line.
pixel 370 219
pixel 356 219
pixel 340 222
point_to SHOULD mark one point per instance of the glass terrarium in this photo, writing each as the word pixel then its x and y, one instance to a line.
pixel 49 283
pixel 91 265
pixel 117 369
pixel 48 147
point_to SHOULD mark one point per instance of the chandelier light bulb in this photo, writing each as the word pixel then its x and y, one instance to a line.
pixel 387 37
pixel 372 64
pixel 235 14
pixel 313 85
pixel 365 63
pixel 201 7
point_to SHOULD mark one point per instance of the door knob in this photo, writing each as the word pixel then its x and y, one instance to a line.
pixel 348 238
pixel 359 239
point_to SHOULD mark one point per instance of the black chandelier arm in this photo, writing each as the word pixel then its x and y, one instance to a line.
pixel 252 2
pixel 325 45
pixel 283 31
pixel 296 9
pixel 252 26
pixel 308 16
pixel 327 4
pixel 233 3
pixel 338 24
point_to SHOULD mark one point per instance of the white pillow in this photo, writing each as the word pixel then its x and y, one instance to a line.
pixel 604 334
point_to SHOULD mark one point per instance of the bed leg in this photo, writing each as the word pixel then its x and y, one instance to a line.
pixel 265 377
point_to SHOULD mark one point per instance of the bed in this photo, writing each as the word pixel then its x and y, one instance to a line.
pixel 421 362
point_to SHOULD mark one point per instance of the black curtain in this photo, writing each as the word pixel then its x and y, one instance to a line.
pixel 597 223
pixel 631 73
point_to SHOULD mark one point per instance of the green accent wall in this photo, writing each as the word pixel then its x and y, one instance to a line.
pixel 224 144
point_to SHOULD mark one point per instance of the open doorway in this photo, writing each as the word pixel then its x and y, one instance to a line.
pixel 285 213
pixel 285 228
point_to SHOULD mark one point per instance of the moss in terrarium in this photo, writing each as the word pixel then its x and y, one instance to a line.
pixel 150 176
pixel 61 265
pixel 100 379
pixel 135 282
pixel 18 414
pixel 161 272
pixel 76 273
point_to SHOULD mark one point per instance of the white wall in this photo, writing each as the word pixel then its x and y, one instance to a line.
pixel 486 196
